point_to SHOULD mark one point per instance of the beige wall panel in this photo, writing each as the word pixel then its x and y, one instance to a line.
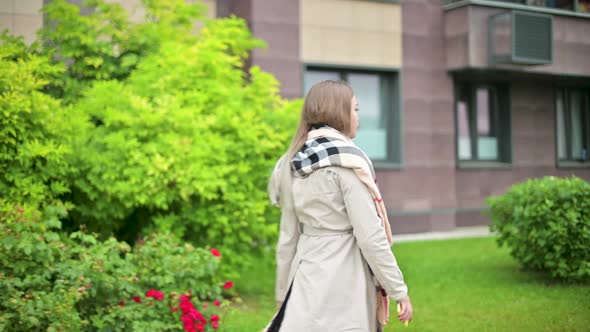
pixel 391 49
pixel 337 45
pixel 313 41
pixel 367 16
pixel 21 17
pixel 27 6
pixel 368 46
pixel 6 6
pixel 328 13
pixel 27 26
pixel 5 21
pixel 351 32
pixel 392 19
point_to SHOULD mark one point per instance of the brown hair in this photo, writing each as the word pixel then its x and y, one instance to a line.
pixel 327 102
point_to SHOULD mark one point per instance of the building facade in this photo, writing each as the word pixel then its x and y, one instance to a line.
pixel 459 99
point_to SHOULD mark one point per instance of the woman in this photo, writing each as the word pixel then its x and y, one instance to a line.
pixel 335 268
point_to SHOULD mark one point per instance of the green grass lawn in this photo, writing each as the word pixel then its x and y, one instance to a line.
pixel 455 285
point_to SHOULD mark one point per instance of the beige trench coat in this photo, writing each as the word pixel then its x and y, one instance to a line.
pixel 331 248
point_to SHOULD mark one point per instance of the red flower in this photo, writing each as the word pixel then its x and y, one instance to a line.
pixel 215 252
pixel 136 299
pixel 155 294
pixel 122 303
pixel 187 323
pixel 205 305
pixel 174 309
pixel 217 303
pixel 214 318
pixel 215 325
pixel 192 319
pixel 228 285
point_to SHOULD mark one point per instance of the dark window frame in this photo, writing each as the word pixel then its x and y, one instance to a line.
pixel 390 95
pixel 500 121
pixel 566 92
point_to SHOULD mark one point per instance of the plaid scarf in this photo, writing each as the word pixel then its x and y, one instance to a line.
pixel 325 146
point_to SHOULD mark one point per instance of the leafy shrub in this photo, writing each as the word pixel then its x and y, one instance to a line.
pixel 184 145
pixel 34 128
pixel 152 126
pixel 103 43
pixel 32 294
pixel 77 283
pixel 546 224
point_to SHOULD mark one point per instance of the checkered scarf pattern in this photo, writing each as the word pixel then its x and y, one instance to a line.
pixel 326 146
pixel 324 151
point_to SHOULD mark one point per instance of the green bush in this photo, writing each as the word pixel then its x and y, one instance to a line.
pixel 546 224
pixel 184 145
pixel 34 128
pixel 52 282
pixel 32 294
pixel 104 44
pixel 145 127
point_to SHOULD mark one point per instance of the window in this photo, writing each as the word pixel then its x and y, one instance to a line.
pixel 377 95
pixel 483 123
pixel 573 124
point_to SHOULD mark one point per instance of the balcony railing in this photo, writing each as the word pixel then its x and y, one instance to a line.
pixel 579 6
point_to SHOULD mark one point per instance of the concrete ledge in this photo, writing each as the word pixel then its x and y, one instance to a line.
pixel 458 233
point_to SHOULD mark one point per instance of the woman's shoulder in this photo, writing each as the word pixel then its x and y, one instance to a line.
pixel 346 178
pixel 334 173
pixel 339 171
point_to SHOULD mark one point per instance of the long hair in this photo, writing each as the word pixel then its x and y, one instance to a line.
pixel 327 102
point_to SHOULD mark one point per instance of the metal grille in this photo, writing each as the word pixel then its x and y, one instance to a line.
pixel 533 37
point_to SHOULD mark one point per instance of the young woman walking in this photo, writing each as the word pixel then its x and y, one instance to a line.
pixel 335 268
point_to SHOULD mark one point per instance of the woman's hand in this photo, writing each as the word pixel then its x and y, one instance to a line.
pixel 407 312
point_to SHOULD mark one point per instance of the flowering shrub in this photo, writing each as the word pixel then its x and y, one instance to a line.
pixel 157 295
pixel 180 308
pixel 53 282
pixel 34 293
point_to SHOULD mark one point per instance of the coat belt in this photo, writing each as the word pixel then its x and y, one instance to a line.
pixel 314 231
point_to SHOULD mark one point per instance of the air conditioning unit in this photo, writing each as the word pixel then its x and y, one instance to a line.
pixel 519 37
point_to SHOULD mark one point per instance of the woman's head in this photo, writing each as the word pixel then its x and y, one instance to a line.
pixel 330 103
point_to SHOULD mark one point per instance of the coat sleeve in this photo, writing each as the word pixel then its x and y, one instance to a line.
pixel 288 229
pixel 286 248
pixel 370 235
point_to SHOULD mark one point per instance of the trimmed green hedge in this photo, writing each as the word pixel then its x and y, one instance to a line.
pixel 546 224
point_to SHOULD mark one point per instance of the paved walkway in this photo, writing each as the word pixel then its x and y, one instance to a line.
pixel 459 233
